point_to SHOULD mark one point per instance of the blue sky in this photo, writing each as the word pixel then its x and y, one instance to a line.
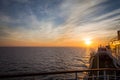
pixel 58 20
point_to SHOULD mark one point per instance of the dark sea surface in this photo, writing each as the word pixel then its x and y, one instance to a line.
pixel 41 59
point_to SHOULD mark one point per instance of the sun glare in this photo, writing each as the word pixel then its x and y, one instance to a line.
pixel 88 42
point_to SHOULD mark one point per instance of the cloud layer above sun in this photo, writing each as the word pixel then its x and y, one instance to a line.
pixel 61 22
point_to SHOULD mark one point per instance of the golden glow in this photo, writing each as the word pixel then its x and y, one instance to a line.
pixel 68 43
pixel 88 41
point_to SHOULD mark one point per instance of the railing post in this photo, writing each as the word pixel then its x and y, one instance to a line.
pixel 107 77
pixel 104 75
pixel 87 78
pixel 75 75
pixel 97 75
pixel 115 74
pixel 93 77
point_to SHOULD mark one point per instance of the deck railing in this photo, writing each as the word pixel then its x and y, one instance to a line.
pixel 104 76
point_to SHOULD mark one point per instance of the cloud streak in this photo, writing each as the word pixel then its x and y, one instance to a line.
pixel 71 20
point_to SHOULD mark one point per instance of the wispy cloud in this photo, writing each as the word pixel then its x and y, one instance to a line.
pixel 85 21
pixel 70 20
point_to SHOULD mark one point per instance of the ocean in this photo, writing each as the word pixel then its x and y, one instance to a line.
pixel 42 59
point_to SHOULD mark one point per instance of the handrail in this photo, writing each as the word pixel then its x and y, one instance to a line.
pixel 54 73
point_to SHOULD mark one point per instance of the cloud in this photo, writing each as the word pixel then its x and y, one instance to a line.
pixel 84 20
pixel 71 20
pixel 35 30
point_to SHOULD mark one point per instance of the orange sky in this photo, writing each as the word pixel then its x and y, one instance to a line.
pixel 51 44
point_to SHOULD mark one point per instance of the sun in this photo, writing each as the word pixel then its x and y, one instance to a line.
pixel 88 41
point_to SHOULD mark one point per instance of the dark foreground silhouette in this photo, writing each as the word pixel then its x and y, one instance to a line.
pixel 104 59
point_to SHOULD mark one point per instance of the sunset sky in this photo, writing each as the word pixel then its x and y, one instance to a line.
pixel 58 22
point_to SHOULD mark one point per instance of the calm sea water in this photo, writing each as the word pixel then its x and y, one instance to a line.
pixel 41 59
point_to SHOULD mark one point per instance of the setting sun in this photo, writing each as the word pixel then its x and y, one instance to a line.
pixel 88 42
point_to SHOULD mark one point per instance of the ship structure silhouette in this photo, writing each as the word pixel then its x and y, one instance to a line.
pixel 103 59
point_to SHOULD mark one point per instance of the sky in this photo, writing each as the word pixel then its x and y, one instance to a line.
pixel 58 22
